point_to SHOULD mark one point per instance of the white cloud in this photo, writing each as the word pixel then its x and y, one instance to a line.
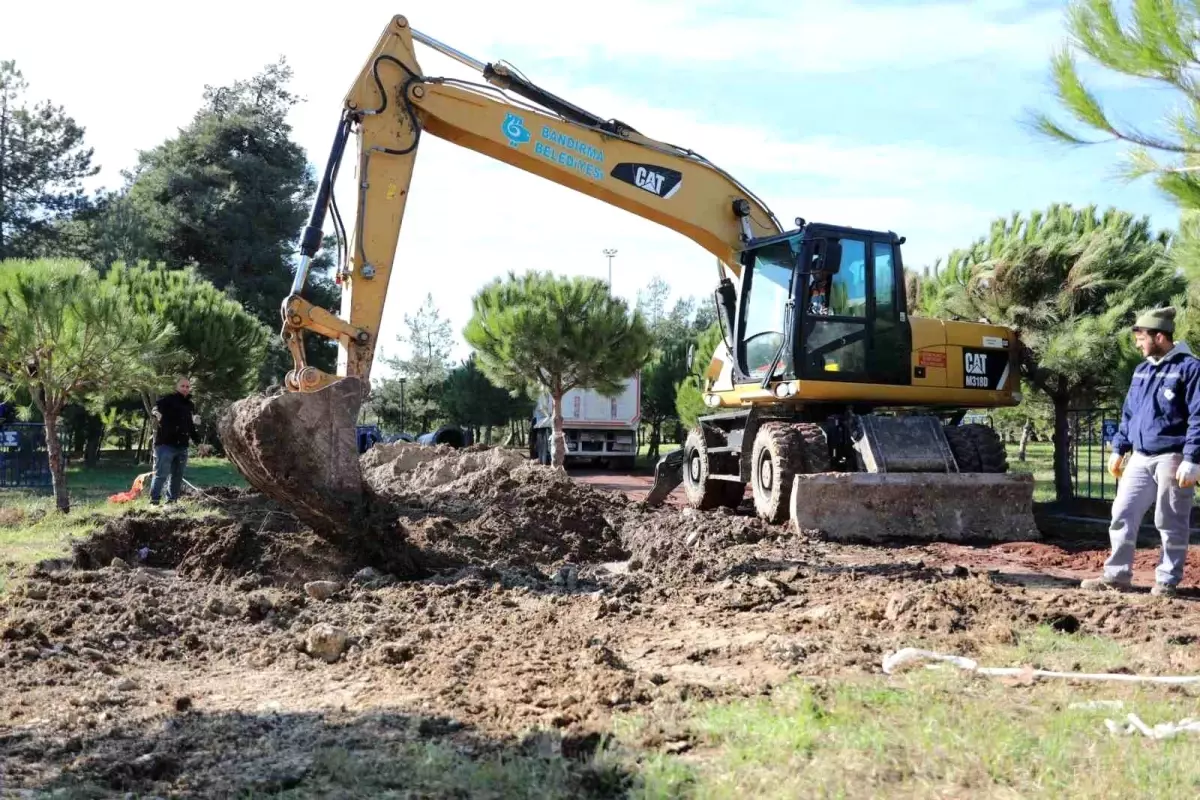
pixel 805 36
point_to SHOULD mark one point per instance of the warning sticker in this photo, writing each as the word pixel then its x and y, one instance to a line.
pixel 931 359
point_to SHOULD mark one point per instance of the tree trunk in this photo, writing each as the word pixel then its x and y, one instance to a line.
pixel 558 443
pixel 655 440
pixel 1026 432
pixel 141 440
pixel 1063 489
pixel 93 440
pixel 58 473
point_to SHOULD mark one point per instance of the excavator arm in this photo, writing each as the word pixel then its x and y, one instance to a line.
pixel 392 104
pixel 300 446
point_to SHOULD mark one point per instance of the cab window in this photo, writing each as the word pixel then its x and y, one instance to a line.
pixel 770 288
pixel 848 287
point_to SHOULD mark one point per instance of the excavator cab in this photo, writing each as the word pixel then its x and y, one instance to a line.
pixel 843 288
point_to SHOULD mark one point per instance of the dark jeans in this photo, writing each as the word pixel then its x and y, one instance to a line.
pixel 168 461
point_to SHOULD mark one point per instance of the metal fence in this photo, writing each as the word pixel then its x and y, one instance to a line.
pixel 1092 432
pixel 23 459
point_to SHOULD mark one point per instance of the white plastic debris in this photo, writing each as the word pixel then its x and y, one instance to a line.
pixel 1163 730
pixel 910 655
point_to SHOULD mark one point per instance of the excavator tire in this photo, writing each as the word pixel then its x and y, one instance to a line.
pixel 703 492
pixel 777 456
pixel 812 451
pixel 977 448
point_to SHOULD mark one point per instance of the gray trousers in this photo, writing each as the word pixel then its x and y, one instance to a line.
pixel 1150 481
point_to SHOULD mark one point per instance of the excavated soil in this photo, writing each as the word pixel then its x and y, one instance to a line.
pixel 487 506
pixel 234 650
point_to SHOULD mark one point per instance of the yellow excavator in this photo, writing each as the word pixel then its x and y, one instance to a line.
pixel 840 409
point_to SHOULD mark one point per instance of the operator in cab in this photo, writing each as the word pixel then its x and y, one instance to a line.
pixel 1156 456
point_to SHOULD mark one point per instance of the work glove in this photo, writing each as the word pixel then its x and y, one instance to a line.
pixel 1116 464
pixel 195 419
pixel 1187 474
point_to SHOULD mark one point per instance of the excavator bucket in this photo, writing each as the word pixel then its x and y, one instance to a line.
pixel 301 449
pixel 870 507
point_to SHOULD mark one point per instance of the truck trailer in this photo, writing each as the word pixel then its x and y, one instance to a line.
pixel 598 429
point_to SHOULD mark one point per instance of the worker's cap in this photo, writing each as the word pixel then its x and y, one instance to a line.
pixel 1160 319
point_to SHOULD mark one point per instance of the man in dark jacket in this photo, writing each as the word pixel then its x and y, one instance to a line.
pixel 1160 435
pixel 177 420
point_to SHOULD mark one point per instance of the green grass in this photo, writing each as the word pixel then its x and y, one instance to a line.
pixel 931 733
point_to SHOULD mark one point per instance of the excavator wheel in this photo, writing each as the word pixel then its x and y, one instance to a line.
pixel 977 448
pixel 777 456
pixel 703 492
pixel 809 455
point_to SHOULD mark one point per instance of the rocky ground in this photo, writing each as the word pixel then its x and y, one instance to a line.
pixel 237 651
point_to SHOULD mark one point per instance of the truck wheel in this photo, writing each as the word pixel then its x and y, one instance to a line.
pixel 703 492
pixel 777 456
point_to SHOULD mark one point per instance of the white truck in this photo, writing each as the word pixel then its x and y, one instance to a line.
pixel 597 428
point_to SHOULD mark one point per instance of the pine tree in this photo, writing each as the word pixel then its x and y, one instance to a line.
pixel 1158 45
pixel 553 334
pixel 223 344
pixel 69 337
pixel 230 195
pixel 1069 281
pixel 42 165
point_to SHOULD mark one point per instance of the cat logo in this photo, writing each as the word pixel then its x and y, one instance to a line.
pixel 984 369
pixel 658 181
pixel 650 181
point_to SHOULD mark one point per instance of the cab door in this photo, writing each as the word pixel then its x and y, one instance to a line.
pixel 890 355
pixel 853 326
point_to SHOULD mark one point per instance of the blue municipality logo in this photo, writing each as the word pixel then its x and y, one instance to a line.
pixel 514 129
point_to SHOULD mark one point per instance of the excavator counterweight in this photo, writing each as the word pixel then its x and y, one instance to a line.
pixel 837 407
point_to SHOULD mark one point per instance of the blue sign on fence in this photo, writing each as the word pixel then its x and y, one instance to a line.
pixel 23 461
pixel 1110 430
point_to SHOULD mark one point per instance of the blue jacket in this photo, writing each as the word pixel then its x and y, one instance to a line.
pixel 1162 409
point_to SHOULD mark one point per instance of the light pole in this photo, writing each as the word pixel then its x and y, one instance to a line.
pixel 610 252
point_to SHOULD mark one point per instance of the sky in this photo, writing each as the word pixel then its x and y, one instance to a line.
pixel 904 116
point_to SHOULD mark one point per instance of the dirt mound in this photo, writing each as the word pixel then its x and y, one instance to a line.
pixel 261 544
pixel 686 545
pixel 494 506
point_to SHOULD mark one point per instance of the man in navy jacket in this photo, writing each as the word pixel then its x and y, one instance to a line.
pixel 1159 434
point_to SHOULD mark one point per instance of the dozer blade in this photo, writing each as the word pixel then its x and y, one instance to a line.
pixel 915 506
pixel 301 450
pixel 668 474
